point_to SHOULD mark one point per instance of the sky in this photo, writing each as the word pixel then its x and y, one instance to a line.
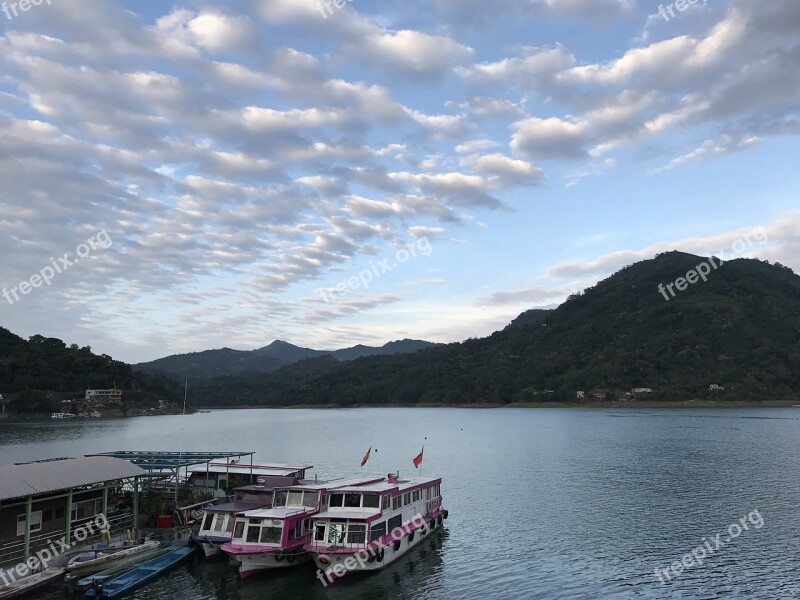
pixel 180 176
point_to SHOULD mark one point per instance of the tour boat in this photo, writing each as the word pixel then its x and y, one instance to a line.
pixel 217 523
pixel 368 527
pixel 272 538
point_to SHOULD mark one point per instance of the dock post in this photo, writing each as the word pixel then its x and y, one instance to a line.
pixel 68 520
pixel 105 501
pixel 28 506
pixel 136 506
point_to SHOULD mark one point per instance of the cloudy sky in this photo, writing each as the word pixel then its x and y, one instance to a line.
pixel 473 158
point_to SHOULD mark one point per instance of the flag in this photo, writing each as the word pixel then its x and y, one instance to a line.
pixel 418 459
pixel 366 457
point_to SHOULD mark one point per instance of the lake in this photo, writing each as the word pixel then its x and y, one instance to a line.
pixel 561 503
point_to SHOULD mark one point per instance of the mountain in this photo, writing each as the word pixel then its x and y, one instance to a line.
pixel 225 361
pixel 38 373
pixel 529 317
pixel 740 330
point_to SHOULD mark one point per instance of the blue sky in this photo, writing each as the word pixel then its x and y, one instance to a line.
pixel 248 157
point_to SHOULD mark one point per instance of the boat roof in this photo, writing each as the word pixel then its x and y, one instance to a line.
pixel 335 484
pixel 234 507
pixel 245 469
pixel 156 461
pixel 280 512
pixel 385 486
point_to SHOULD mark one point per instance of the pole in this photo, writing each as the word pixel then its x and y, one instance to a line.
pixel 136 506
pixel 68 534
pixel 28 506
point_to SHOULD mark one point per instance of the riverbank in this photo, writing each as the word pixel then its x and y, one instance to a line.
pixel 104 414
pixel 605 404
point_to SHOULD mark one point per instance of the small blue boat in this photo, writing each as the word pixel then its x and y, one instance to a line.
pixel 130 580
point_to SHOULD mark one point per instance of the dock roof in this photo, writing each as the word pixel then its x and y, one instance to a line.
pixel 154 461
pixel 36 478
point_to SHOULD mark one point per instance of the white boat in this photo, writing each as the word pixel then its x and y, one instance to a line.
pixel 274 538
pixel 217 521
pixel 367 528
pixel 101 558
pixel 60 415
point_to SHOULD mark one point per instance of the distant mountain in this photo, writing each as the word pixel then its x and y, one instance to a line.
pixel 739 330
pixel 227 362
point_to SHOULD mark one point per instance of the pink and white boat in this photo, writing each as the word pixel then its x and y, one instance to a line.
pixel 217 522
pixel 272 538
pixel 368 527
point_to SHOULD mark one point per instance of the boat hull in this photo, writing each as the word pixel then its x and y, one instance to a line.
pixel 337 565
pixel 252 564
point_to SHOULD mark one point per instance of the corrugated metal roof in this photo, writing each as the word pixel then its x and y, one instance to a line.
pixel 20 481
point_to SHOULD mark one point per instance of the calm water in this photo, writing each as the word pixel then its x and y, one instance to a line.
pixel 543 503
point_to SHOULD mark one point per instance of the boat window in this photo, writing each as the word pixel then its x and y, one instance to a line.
pixel 337 500
pixel 219 522
pixel 310 499
pixel 336 533
pixel 239 530
pixel 297 532
pixel 415 496
pixel 397 502
pixel 356 533
pixel 371 500
pixel 207 521
pixel 295 498
pixel 229 527
pixel 279 499
pixel 352 500
pixel 377 531
pixel 406 498
pixel 394 523
pixel 252 533
pixel 270 535
pixel 387 502
pixel 319 533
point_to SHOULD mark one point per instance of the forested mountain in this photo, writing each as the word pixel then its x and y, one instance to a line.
pixel 739 330
pixel 35 375
pixel 218 363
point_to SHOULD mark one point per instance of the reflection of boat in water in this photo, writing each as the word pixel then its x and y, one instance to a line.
pixel 92 561
pixel 138 576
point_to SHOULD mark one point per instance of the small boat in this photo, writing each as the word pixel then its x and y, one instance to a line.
pixel 273 538
pixel 126 564
pixel 60 415
pixel 367 528
pixel 96 560
pixel 130 580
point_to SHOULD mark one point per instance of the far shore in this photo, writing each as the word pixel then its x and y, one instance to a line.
pixel 590 405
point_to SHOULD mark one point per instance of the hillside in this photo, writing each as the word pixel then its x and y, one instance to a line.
pixel 227 362
pixel 36 374
pixel 740 330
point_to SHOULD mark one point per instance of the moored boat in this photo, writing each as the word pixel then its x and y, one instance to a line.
pixel 92 561
pixel 140 575
pixel 367 528
pixel 274 538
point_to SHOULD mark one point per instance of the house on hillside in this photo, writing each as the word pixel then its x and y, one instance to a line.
pixel 641 390
pixel 716 387
pixel 104 397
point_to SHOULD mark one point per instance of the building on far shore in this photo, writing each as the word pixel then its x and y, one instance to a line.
pixel 104 397
pixel 716 387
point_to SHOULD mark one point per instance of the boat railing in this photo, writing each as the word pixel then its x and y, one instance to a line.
pixel 12 552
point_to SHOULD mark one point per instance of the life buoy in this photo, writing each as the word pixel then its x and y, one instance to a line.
pixel 279 557
pixel 324 560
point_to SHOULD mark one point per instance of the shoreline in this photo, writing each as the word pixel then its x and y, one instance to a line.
pixel 602 404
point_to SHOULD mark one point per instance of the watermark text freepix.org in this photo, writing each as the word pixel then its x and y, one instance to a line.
pixel 47 273
pixel 709 547
pixel 681 5
pixel 376 270
pixel 42 558
pixel 362 556
pixel 705 268
pixel 10 8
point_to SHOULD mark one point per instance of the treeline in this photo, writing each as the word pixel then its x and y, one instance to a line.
pixel 36 375
pixel 739 330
